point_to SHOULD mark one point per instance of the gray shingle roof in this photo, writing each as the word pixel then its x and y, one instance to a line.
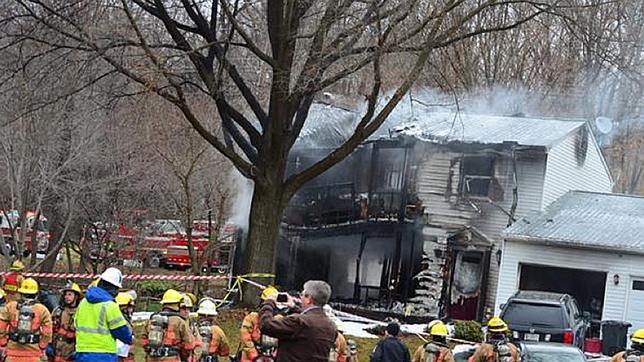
pixel 586 219
pixel 484 129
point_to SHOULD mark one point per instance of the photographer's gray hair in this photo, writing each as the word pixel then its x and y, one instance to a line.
pixel 318 290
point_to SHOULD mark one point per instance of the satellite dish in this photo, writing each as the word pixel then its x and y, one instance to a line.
pixel 604 124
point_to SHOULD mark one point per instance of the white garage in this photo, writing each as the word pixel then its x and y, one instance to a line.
pixel 589 245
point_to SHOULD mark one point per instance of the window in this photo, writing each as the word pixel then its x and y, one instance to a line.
pixel 638 285
pixel 477 178
pixel 533 314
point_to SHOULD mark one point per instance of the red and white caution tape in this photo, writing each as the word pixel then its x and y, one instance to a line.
pixel 135 277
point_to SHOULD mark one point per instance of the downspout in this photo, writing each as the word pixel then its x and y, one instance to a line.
pixel 515 188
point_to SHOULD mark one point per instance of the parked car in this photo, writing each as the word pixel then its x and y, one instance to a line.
pixel 545 317
pixel 550 352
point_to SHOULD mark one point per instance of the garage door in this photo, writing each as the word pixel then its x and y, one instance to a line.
pixel 635 308
pixel 588 287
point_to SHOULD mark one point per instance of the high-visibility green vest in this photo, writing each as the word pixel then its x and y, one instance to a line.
pixel 93 322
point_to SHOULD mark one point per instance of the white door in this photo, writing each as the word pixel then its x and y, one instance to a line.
pixel 635 307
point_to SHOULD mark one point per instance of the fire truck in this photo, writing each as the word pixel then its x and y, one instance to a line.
pixel 157 243
pixel 11 220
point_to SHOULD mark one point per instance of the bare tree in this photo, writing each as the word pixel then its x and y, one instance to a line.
pixel 226 51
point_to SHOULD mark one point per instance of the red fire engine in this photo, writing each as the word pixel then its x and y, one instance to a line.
pixel 11 220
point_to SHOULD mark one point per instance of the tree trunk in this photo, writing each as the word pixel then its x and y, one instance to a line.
pixel 264 220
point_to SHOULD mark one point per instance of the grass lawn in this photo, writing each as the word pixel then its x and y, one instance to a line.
pixel 230 321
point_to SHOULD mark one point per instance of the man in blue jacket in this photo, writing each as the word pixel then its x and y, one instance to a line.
pixel 391 349
pixel 99 322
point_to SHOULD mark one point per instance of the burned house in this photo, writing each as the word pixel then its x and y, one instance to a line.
pixel 413 218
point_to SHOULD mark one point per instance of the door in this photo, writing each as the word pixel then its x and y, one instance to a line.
pixel 635 307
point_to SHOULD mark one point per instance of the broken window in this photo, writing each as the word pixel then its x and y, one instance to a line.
pixel 478 176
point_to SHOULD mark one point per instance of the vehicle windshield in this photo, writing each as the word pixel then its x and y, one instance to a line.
pixel 553 356
pixel 534 315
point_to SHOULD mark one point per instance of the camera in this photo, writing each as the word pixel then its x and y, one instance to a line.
pixel 282 298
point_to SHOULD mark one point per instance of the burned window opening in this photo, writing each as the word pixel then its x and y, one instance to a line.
pixel 478 178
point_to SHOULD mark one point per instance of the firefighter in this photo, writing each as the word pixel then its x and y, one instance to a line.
pixel 436 350
pixel 185 307
pixel 25 325
pixel 636 353
pixel 13 279
pixel 497 347
pixel 255 346
pixel 126 305
pixel 99 322
pixel 167 336
pixel 63 345
pixel 214 343
pixel 340 351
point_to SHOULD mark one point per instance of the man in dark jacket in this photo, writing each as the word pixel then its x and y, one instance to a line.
pixel 307 336
pixel 391 349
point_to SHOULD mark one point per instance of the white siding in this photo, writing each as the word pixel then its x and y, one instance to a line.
pixel 628 267
pixel 530 173
pixel 564 174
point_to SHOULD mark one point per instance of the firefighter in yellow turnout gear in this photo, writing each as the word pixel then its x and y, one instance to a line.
pixel 214 343
pixel 25 325
pixel 126 305
pixel 436 349
pixel 255 346
pixel 636 353
pixel 497 348
pixel 167 336
pixel 63 345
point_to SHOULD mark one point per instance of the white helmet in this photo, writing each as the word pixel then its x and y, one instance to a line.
pixel 113 276
pixel 132 294
pixel 207 307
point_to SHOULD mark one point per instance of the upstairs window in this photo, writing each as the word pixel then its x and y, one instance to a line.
pixel 477 177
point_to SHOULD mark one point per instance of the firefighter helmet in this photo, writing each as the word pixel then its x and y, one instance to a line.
pixel 186 301
pixel 207 307
pixel 2 294
pixel 123 299
pixel 638 336
pixel 171 296
pixel 439 329
pixel 269 291
pixel 17 266
pixel 72 287
pixel 193 298
pixel 133 294
pixel 497 325
pixel 28 286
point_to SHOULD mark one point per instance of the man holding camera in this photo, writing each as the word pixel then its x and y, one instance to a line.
pixel 306 336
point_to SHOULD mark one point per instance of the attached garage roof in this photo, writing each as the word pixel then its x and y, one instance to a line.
pixel 588 220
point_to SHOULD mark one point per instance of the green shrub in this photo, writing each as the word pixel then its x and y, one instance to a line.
pixel 468 330
pixel 154 288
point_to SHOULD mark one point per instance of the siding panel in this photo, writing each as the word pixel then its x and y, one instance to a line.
pixel 564 174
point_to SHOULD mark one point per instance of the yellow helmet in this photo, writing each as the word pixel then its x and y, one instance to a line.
pixel 638 336
pixel 186 301
pixel 28 286
pixel 123 299
pixel 17 266
pixel 439 329
pixel 72 287
pixel 497 325
pixel 2 294
pixel 171 296
pixel 269 291
pixel 94 283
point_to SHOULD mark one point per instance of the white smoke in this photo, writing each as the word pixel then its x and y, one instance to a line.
pixel 243 196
